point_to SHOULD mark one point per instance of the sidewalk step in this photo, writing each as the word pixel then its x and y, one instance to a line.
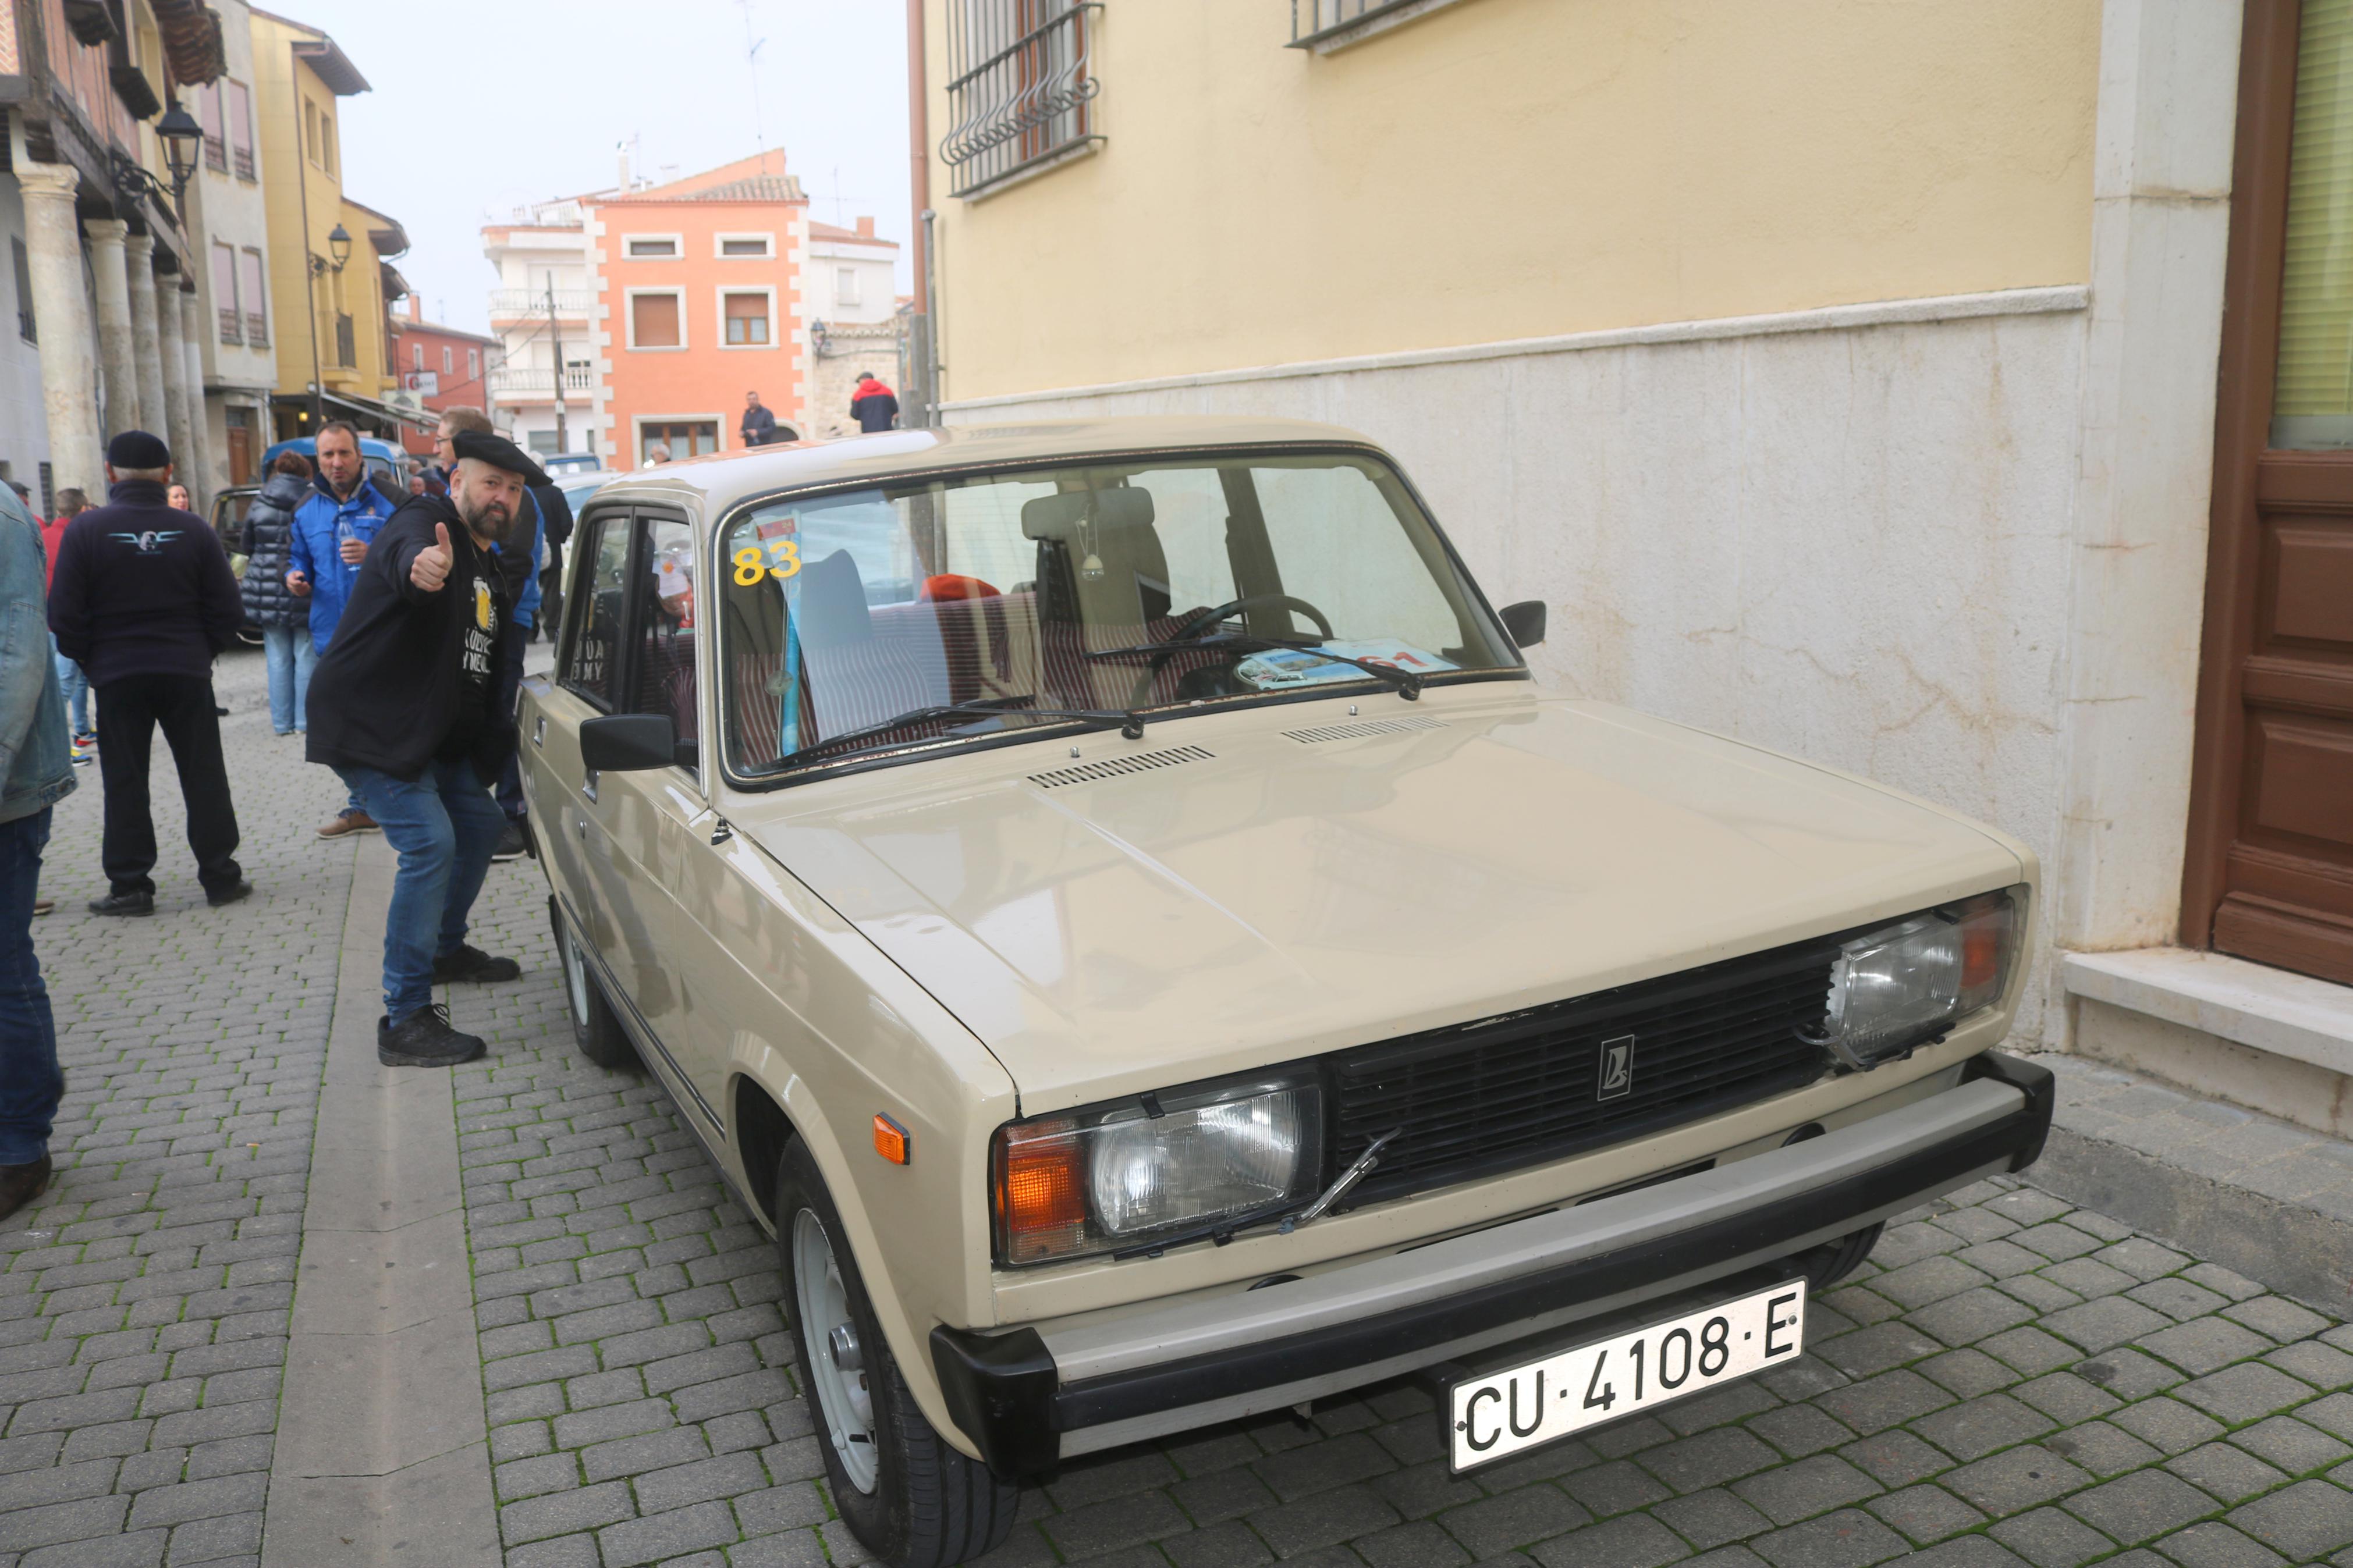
pixel 2267 1198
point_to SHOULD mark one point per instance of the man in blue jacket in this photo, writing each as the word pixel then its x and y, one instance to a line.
pixel 322 564
pixel 35 772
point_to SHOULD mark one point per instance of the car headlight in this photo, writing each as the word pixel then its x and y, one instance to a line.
pixel 1114 1175
pixel 1898 987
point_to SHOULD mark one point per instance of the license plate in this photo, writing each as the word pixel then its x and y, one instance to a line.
pixel 1506 1412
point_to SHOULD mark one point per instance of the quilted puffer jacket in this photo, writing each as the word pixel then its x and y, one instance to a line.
pixel 268 527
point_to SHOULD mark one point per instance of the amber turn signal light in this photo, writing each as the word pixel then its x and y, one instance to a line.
pixel 890 1141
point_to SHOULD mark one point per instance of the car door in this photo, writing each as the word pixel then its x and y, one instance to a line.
pixel 653 817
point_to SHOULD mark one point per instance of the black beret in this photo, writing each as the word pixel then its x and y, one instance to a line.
pixel 500 453
pixel 138 449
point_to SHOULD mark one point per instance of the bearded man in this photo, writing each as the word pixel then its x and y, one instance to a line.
pixel 402 706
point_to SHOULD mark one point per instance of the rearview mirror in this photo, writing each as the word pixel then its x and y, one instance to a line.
pixel 1524 621
pixel 628 743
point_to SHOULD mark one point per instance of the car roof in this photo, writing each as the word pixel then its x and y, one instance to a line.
pixel 722 478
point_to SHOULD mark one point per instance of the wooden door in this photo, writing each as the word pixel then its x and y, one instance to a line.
pixel 2270 868
pixel 240 455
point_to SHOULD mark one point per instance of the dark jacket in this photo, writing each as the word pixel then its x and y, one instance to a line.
pixel 36 763
pixel 267 546
pixel 551 525
pixel 388 687
pixel 759 426
pixel 874 405
pixel 142 588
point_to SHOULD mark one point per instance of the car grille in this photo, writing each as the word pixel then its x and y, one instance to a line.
pixel 1477 1099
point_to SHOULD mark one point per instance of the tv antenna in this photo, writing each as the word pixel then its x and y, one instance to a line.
pixel 752 59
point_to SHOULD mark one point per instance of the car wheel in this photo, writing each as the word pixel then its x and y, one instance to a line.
pixel 910 1498
pixel 595 1028
pixel 1832 1261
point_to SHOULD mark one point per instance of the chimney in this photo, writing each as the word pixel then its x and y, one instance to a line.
pixel 623 149
pixel 866 228
pixel 416 309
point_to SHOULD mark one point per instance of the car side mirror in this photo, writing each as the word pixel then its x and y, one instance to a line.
pixel 628 743
pixel 1524 621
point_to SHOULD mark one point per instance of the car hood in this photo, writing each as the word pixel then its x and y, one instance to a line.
pixel 1310 881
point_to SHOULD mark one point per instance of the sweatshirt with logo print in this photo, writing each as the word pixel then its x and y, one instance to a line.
pixel 142 588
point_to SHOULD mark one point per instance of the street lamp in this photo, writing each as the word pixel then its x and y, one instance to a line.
pixel 339 245
pixel 180 135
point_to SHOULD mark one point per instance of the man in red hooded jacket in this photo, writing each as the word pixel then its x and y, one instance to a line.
pixel 872 404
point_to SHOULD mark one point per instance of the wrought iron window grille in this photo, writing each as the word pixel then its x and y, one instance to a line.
pixel 1315 22
pixel 1021 87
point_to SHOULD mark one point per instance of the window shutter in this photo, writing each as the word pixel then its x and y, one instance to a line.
pixel 654 320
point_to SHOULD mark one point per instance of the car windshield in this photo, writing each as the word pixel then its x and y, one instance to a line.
pixel 1152 585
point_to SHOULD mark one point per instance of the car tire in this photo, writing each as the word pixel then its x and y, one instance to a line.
pixel 595 1027
pixel 1832 1261
pixel 912 1500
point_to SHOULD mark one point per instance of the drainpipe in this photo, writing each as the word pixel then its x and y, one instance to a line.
pixel 922 354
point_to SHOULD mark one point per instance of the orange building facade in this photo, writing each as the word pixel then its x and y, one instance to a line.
pixel 698 300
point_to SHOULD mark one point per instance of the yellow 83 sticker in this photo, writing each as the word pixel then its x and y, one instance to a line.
pixel 751 563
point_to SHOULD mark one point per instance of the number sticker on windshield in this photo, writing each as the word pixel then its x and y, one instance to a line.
pixel 780 560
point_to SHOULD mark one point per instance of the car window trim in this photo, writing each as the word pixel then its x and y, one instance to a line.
pixel 578 602
pixel 715 547
pixel 640 599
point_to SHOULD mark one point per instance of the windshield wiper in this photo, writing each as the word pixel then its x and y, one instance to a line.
pixel 1407 684
pixel 1130 722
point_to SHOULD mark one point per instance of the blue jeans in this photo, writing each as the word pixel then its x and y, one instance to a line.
pixel 290 657
pixel 445 825
pixel 76 687
pixel 31 1084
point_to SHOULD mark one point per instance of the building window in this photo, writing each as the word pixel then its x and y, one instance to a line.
pixel 327 144
pixel 845 285
pixel 311 130
pixel 644 247
pixel 448 361
pixel 1020 88
pixel 684 438
pixel 253 294
pixel 209 112
pixel 232 322
pixel 417 356
pixel 655 321
pixel 347 351
pixel 240 128
pixel 473 364
pixel 747 319
pixel 25 329
pixel 744 245
pixel 1323 25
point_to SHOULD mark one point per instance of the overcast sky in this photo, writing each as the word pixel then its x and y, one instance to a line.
pixel 482 104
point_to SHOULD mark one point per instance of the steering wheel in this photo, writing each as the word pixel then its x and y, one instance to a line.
pixel 1193 628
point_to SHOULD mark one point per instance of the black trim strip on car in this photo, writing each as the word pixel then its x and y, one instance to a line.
pixel 1005 1393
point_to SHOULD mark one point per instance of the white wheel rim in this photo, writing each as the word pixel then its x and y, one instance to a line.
pixel 843 1403
pixel 576 976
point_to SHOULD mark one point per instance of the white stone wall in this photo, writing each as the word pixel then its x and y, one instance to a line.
pixel 1846 535
pixel 23 422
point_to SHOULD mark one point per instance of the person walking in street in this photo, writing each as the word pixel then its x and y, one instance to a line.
pixel 332 527
pixel 402 708
pixel 143 601
pixel 759 424
pixel 270 602
pixel 874 405
pixel 35 774
pixel 545 520
pixel 71 504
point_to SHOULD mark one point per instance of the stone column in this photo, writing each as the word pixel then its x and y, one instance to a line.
pixel 114 343
pixel 61 317
pixel 200 478
pixel 172 358
pixel 146 335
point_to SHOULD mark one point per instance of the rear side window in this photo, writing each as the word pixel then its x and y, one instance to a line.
pixel 593 663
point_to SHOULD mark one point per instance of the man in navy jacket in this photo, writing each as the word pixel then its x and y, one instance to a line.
pixel 143 601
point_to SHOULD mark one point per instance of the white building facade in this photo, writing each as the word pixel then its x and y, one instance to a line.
pixel 229 224
pixel 540 311
pixel 854 320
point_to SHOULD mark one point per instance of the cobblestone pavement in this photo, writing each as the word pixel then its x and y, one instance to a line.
pixel 144 1301
pixel 2007 1381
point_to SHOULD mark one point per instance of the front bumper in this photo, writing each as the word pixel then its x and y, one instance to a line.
pixel 1032 1396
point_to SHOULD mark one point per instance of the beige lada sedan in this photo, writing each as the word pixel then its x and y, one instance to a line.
pixel 1115 902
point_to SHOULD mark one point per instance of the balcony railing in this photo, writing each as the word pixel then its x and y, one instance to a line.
pixel 257 330
pixel 1021 88
pixel 243 162
pixel 509 303
pixel 346 347
pixel 215 154
pixel 526 381
pixel 229 321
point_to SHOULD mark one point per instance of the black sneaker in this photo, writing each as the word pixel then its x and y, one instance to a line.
pixel 20 1184
pixel 424 1039
pixel 473 963
pixel 511 842
pixel 229 895
pixel 123 904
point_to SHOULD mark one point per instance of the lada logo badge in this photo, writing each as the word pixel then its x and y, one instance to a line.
pixel 1616 1076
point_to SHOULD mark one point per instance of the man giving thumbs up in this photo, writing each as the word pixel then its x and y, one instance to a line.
pixel 400 706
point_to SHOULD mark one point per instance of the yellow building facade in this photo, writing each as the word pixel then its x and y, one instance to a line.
pixel 331 298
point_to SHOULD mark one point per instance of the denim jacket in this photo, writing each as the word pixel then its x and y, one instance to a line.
pixel 35 761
